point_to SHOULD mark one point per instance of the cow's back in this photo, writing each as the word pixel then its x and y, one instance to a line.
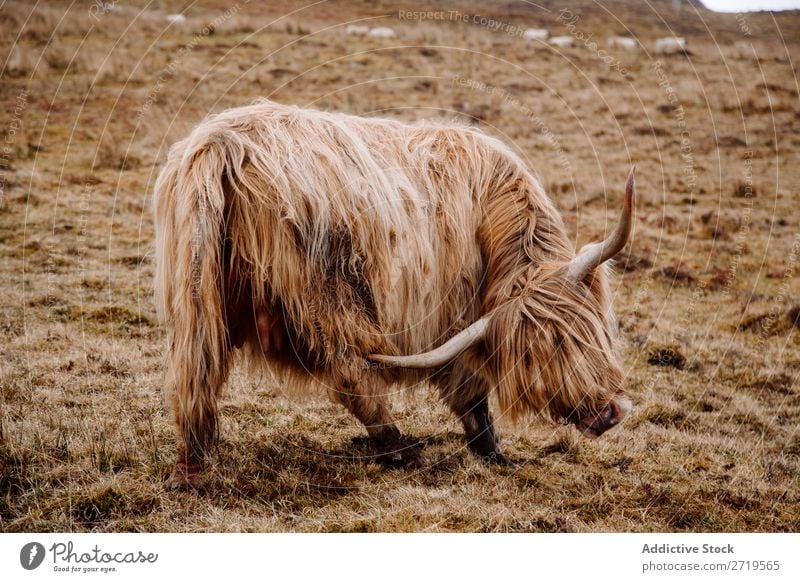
pixel 362 230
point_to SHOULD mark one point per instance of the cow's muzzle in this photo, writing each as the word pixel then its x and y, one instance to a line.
pixel 593 426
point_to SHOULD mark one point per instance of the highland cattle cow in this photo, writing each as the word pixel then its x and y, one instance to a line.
pixel 356 254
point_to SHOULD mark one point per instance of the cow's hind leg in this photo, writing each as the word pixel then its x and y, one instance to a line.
pixel 391 447
pixel 467 396
pixel 194 384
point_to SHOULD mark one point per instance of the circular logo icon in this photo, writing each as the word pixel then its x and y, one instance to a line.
pixel 31 555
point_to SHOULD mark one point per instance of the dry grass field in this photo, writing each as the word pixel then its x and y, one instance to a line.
pixel 707 295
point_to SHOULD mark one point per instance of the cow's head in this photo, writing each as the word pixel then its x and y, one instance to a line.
pixel 550 348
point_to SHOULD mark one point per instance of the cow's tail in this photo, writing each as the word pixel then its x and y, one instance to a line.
pixel 189 206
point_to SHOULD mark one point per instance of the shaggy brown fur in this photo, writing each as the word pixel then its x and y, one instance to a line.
pixel 309 240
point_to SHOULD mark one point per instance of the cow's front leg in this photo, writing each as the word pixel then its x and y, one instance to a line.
pixel 479 428
pixel 467 396
pixel 391 447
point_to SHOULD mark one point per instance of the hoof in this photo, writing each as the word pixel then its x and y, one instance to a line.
pixel 390 459
pixel 184 478
pixel 497 458
pixel 403 455
pixel 484 446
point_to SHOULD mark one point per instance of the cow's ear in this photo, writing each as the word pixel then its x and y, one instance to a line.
pixel 595 254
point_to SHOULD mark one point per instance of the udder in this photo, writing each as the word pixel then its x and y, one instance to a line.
pixel 270 331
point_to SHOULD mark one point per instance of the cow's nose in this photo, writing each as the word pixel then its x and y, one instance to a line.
pixel 607 418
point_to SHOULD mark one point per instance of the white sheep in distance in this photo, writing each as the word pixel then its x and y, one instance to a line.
pixel 382 32
pixel 356 30
pixel 562 41
pixel 536 34
pixel 670 45
pixel 176 18
pixel 623 42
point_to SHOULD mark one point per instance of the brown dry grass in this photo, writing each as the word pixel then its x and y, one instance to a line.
pixel 707 295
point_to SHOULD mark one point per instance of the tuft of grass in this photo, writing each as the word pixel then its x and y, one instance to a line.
pixel 666 355
pixel 670 417
pixel 744 189
pixel 22 61
pixel 768 324
pixel 679 273
pixel 118 314
pixel 629 261
pixel 65 57
pixel 113 154
pixel 793 315
pixel 110 502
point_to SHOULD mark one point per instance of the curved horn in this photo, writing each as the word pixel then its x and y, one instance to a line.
pixel 595 254
pixel 441 355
